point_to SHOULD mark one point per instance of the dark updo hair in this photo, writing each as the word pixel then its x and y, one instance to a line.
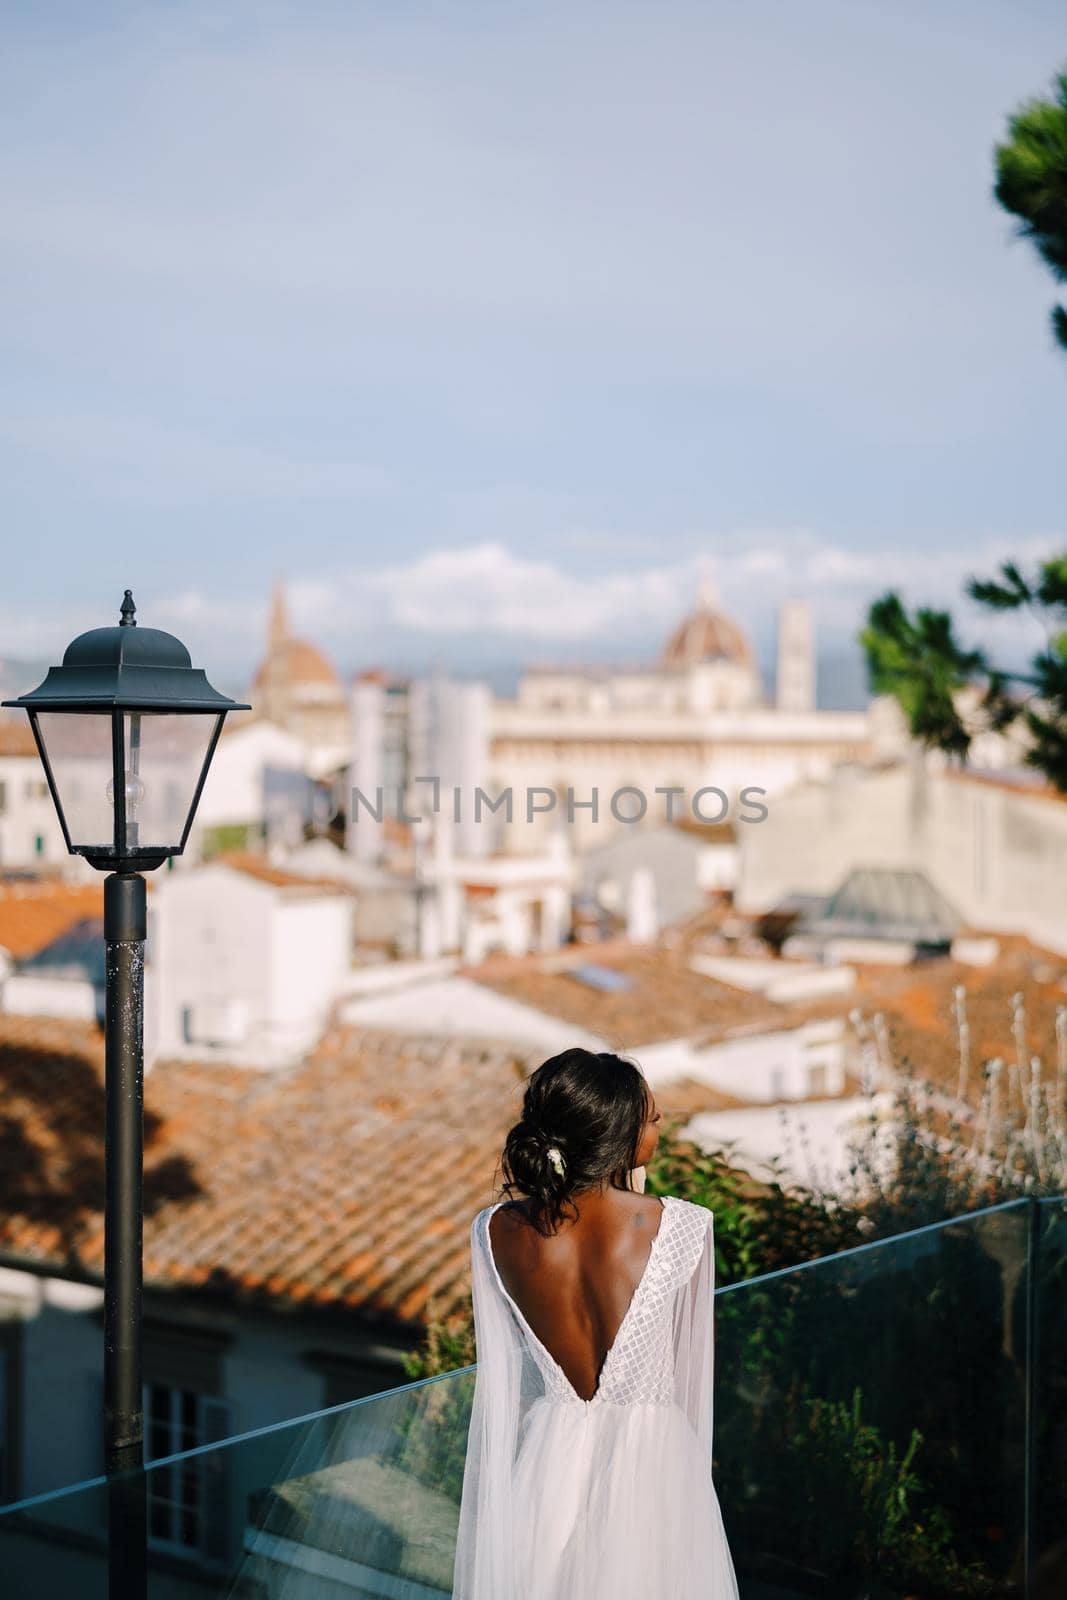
pixel 593 1106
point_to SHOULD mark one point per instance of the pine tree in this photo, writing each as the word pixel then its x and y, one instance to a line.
pixel 1031 182
pixel 918 660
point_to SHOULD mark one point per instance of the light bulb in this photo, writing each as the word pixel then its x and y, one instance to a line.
pixel 134 791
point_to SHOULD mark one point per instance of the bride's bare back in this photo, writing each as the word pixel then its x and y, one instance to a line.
pixel 575 1287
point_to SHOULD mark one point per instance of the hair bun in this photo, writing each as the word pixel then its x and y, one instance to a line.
pixel 580 1126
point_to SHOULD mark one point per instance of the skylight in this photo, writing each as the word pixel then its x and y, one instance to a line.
pixel 603 978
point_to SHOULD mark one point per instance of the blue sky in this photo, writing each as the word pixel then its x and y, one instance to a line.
pixel 483 325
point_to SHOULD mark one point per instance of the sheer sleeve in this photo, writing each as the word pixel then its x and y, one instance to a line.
pixel 694 1341
pixel 484 1542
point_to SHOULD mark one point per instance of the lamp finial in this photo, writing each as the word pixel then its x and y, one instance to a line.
pixel 127 609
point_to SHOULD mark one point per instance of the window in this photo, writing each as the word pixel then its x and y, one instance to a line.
pixel 36 789
pixel 187 1502
pixel 3 798
pixel 817 1079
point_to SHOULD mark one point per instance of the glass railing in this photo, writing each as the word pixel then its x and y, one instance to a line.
pixel 889 1421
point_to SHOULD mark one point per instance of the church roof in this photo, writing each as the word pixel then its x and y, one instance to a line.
pixel 707 634
pixel 297 662
pixel 291 661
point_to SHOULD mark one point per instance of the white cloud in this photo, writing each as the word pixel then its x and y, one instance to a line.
pixel 486 588
pixel 513 605
pixel 487 591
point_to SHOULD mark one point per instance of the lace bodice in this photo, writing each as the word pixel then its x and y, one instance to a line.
pixel 639 1368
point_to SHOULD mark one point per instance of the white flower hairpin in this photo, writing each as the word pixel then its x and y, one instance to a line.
pixel 556 1158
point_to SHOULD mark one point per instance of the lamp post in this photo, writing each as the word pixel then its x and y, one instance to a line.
pixel 126 729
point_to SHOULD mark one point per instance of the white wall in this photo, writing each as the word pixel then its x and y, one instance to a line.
pixel 458 1005
pixel 208 942
pixel 802 1136
pixel 233 790
pixel 534 747
pixel 27 816
pixel 310 957
pixel 39 995
pixel 673 856
pixel 789 1064
pixel 223 943
pixel 996 852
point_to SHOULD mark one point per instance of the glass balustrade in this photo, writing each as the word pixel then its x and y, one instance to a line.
pixel 890 1421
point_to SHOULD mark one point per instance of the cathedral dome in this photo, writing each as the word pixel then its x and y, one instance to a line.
pixel 707 634
pixel 290 662
pixel 298 663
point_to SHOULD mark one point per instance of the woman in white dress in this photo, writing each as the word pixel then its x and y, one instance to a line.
pixel 588 1466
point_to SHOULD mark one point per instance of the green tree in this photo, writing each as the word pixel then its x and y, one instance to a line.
pixel 918 661
pixel 1031 182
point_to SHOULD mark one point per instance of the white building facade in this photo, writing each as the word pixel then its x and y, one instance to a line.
pixel 242 965
pixel 595 749
pixel 994 848
pixel 30 835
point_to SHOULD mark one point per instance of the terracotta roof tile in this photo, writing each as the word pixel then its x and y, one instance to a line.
pixel 33 914
pixel 918 1004
pixel 255 865
pixel 666 1000
pixel 1003 781
pixel 16 736
pixel 350 1180
pixel 282 1185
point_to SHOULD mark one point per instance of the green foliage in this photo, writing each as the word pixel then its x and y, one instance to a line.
pixel 856 1507
pixel 710 1178
pixel 761 1225
pixel 918 661
pixel 432 1428
pixel 449 1344
pixel 1045 596
pixel 1031 182
pixel 225 836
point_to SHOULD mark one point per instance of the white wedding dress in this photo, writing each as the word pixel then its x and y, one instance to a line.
pixel 602 1499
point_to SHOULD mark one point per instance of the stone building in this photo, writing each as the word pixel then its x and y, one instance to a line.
pixel 297 688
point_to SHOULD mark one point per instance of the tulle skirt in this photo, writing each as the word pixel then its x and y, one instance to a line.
pixel 616 1502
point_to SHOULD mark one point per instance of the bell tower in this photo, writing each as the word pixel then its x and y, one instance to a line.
pixel 795 688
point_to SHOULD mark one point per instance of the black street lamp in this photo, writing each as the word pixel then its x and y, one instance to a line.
pixel 126 729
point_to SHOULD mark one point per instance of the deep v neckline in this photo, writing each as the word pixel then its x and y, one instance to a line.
pixel 663 1198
